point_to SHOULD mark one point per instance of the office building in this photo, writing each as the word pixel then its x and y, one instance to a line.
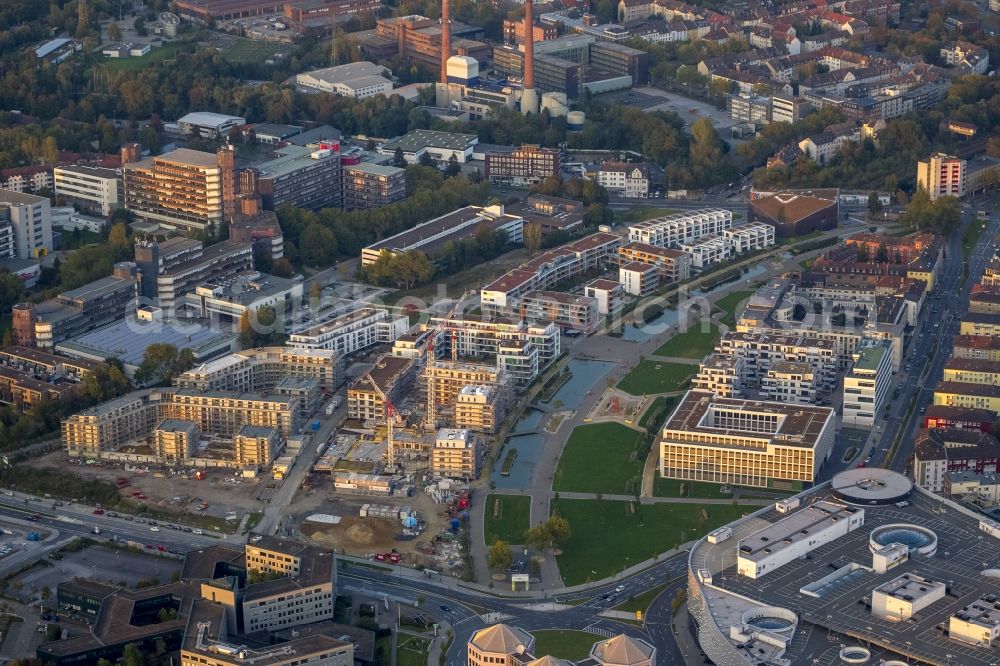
pixel 372 185
pixel 215 261
pixel 262 368
pixel 262 230
pixel 208 125
pixel 187 190
pixel 550 213
pixel 91 189
pixel 231 297
pixel 391 377
pixel 431 237
pixel 79 310
pixel 978 623
pixel 942 175
pixel 618 59
pixel 304 177
pixel 352 332
pixel 456 454
pixel 525 166
pixel 672 230
pixel 866 385
pixel 30 219
pixel 152 257
pixel 745 442
pixel 480 408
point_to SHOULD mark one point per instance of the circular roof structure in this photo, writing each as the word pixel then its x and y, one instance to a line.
pixel 869 486
pixel 919 540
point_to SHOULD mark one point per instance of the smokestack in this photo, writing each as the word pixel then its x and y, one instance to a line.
pixel 529 98
pixel 445 39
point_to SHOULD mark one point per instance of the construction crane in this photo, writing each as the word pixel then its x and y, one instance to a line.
pixel 431 422
pixel 390 419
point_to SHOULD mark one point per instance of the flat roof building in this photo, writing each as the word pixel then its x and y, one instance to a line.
pixel 208 125
pixel 91 188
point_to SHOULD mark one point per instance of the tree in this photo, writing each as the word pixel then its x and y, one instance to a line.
pixel 11 289
pixel 119 242
pixel 706 148
pixel 498 556
pixel 315 290
pixel 161 362
pixel 318 246
pixel 882 254
pixel 50 150
pixel 282 268
pixel 533 236
pixel 132 656
pixel 874 203
pixel 453 168
pixel 426 159
pixel 114 32
pixel 82 19
pixel 398 159
pixel 544 536
pixel 8 338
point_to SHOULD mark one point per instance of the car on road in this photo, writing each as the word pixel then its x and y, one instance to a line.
pixel 620 588
pixel 154 528
pixel 446 609
pixel 36 516
pixel 98 512
pixel 198 531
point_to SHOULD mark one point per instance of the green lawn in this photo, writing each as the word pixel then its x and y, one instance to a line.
pixel 641 602
pixel 658 412
pixel 598 459
pixel 411 651
pixel 514 518
pixel 157 55
pixel 730 303
pixel 606 536
pixel 672 488
pixel 657 377
pixel 970 237
pixel 250 51
pixel 643 213
pixel 692 343
pixel 565 643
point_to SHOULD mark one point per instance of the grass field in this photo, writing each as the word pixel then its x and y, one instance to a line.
pixel 640 602
pixel 642 213
pixel 657 377
pixel 248 50
pixel 729 303
pixel 412 651
pixel 658 412
pixel 692 343
pixel 672 488
pixel 597 459
pixel 514 520
pixel 565 643
pixel 606 536
pixel 154 57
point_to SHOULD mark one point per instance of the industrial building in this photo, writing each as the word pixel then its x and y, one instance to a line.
pixel 357 79
pixel 208 125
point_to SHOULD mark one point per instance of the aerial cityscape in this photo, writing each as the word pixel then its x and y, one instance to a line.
pixel 499 332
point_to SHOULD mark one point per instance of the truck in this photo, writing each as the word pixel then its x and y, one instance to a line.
pixel 331 406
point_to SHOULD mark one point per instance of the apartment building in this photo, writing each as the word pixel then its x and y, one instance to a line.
pixel 959 418
pixel 390 377
pixel 721 374
pixel 456 454
pixel 352 332
pixel 30 218
pixel 707 251
pixel 674 265
pixel 216 261
pixel 790 382
pixel 975 323
pixel 571 311
pixel 984 347
pixel 101 430
pixel 942 175
pixel 639 279
pixel 672 230
pixel 262 368
pixel 256 446
pixel 79 310
pixel 300 176
pixel 184 189
pixel 445 379
pixel 984 299
pixel 745 442
pixel 8 246
pixel 480 408
pixel 372 185
pixel 938 452
pixel 972 370
pixel 526 166
pixel 749 237
pixel 607 293
pixel 92 189
pixel 40 364
pixel 22 391
pixel 968 395
pixel 620 179
pixel 500 298
pixel 866 385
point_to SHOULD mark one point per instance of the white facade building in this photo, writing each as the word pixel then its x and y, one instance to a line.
pixel 867 384
pixel 672 230
pixel 352 332
pixel 625 180
pixel 91 188
pixel 31 218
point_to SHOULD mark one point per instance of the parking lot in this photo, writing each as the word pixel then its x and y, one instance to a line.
pixel 116 566
pixel 690 110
